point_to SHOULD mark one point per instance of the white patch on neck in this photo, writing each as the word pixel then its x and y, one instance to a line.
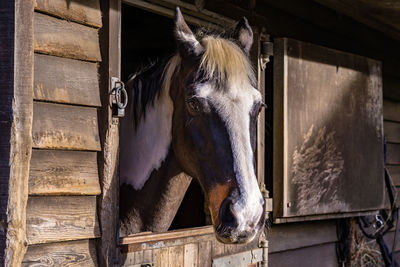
pixel 144 149
pixel 234 107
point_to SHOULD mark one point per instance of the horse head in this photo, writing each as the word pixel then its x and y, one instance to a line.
pixel 214 125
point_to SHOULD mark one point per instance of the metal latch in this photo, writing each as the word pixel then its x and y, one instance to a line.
pixel 119 97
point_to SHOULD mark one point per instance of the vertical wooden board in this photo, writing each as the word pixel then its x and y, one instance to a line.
pixel 393 154
pixel 65 80
pixel 191 253
pixel 138 257
pixel 325 91
pixel 54 172
pixel 160 257
pixel 391 110
pixel 205 250
pixel 148 256
pixel 108 201
pixel 392 131
pixel 175 256
pixel 70 253
pixel 83 11
pixel 52 219
pixel 217 248
pixel 128 259
pixel 61 38
pixel 65 127
pixel 16 78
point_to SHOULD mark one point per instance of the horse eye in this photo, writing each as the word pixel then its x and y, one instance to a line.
pixel 193 106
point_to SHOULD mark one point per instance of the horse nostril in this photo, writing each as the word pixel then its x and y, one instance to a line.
pixel 227 216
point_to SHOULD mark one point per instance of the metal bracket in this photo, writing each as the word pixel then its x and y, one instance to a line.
pixel 119 97
pixel 267 50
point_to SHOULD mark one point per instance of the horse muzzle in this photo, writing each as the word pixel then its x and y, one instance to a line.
pixel 239 223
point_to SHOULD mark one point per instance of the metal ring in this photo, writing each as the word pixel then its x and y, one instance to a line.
pixel 125 96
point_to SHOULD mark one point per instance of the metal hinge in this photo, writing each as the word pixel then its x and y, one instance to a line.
pixel 119 97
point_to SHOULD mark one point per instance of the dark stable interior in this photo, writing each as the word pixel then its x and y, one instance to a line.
pixel 146 38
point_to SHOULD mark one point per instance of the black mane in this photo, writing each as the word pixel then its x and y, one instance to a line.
pixel 143 88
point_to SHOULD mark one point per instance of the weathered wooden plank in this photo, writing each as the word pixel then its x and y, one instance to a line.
pixel 394 172
pixel 175 256
pixel 65 80
pixel 51 219
pixel 16 78
pixel 299 235
pixel 138 257
pixel 205 253
pixel 392 131
pixel 315 256
pixel 70 253
pixel 65 39
pixel 174 234
pixel 191 253
pixel 391 87
pixel 217 249
pixel 108 201
pixel 54 172
pixel 148 256
pixel 393 154
pixel 65 127
pixel 85 11
pixel 160 257
pixel 391 110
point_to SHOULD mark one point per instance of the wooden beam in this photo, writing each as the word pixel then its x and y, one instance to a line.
pixel 64 80
pixel 55 172
pixel 86 12
pixel 16 78
pixel 69 253
pixel 65 127
pixel 65 39
pixel 356 10
pixel 109 132
pixel 53 219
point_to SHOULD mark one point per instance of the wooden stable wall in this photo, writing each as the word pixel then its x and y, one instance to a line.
pixel 313 243
pixel 61 212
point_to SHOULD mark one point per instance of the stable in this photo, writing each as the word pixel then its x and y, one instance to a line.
pixel 328 75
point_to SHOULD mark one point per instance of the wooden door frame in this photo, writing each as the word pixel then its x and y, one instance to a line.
pixel 110 38
pixel 16 108
pixel 108 201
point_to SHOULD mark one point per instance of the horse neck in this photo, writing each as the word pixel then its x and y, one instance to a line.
pixel 146 131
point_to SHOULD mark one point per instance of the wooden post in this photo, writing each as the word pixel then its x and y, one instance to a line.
pixel 109 131
pixel 16 79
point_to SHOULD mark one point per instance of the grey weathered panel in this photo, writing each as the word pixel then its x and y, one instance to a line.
pixel 316 256
pixel 331 124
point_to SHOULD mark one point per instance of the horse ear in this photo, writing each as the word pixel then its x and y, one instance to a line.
pixel 185 39
pixel 243 34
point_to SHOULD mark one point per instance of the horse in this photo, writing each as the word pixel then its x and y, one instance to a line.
pixel 194 113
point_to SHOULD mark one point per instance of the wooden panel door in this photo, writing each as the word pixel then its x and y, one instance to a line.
pixel 328 140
